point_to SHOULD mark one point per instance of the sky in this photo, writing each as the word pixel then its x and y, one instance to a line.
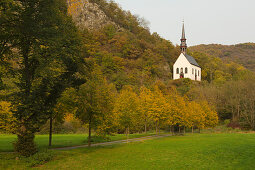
pixel 206 21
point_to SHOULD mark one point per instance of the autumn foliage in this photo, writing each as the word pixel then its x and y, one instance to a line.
pixel 152 108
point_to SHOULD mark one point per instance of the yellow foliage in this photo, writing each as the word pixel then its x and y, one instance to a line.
pixel 74 6
pixel 7 121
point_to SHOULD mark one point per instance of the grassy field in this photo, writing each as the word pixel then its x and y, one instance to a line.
pixel 199 151
pixel 61 140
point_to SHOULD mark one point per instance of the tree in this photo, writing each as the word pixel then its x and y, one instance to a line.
pixel 95 102
pixel 145 103
pixel 210 116
pixel 126 109
pixel 196 115
pixel 47 60
pixel 158 111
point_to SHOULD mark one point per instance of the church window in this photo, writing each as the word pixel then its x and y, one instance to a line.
pixel 198 72
pixel 177 71
pixel 186 70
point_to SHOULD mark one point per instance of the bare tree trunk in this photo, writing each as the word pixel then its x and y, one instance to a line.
pixel 170 130
pixel 89 138
pixel 127 133
pixel 50 132
pixel 192 129
pixel 156 128
pixel 145 127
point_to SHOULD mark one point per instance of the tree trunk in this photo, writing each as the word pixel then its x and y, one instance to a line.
pixel 89 138
pixel 170 130
pixel 199 130
pixel 25 144
pixel 179 129
pixel 145 127
pixel 192 129
pixel 156 128
pixel 127 133
pixel 50 132
pixel 184 130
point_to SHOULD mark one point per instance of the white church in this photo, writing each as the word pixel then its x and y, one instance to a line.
pixel 186 66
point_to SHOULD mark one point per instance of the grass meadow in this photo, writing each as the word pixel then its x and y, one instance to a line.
pixel 197 151
pixel 62 140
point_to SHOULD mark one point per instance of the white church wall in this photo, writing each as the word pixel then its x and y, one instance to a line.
pixel 192 74
pixel 182 62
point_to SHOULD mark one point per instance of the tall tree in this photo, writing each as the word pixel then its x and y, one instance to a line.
pixel 145 103
pixel 95 102
pixel 48 49
pixel 126 109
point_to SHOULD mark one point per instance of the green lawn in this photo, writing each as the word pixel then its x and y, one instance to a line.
pixel 200 151
pixel 60 140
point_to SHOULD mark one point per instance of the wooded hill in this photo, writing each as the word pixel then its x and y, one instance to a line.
pixel 241 53
pixel 122 44
pixel 103 66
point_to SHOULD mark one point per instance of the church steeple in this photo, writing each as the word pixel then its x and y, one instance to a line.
pixel 183 45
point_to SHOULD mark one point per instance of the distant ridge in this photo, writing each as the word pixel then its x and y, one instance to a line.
pixel 243 53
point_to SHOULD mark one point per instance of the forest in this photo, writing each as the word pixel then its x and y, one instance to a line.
pixel 58 77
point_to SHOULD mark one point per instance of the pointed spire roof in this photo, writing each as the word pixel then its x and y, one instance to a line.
pixel 183 45
pixel 183 31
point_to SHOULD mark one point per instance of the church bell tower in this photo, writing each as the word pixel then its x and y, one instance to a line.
pixel 183 45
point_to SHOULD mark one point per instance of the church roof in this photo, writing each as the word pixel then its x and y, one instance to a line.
pixel 191 60
pixel 183 32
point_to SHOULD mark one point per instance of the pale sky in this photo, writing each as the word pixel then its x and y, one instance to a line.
pixel 206 21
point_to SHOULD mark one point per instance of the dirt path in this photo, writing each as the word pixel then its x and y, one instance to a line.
pixel 115 142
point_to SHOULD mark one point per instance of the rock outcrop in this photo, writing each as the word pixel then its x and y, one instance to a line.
pixel 87 15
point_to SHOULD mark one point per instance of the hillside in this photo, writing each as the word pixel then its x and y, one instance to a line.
pixel 121 44
pixel 241 53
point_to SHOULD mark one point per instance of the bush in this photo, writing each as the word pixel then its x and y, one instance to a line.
pixel 39 158
pixel 234 125
pixel 227 122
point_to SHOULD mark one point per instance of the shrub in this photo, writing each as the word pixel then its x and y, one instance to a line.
pixel 227 122
pixel 234 125
pixel 39 158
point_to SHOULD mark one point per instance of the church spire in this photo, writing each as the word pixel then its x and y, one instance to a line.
pixel 183 45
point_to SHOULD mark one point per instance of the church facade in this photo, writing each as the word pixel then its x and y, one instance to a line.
pixel 186 66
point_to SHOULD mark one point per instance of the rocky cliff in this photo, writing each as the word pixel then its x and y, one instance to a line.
pixel 87 14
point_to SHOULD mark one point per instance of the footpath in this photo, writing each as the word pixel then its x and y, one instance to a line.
pixel 140 139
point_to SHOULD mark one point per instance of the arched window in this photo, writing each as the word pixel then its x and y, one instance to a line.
pixel 186 70
pixel 177 71
pixel 192 70
pixel 198 72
